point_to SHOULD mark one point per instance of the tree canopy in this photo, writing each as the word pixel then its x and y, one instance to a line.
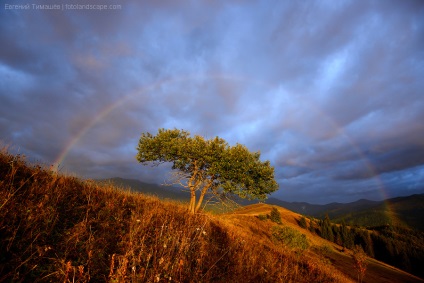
pixel 208 165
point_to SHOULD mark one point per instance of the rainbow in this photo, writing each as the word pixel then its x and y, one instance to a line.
pixel 108 109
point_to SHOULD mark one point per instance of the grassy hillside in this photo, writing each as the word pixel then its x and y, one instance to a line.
pixel 60 229
pixel 56 228
pixel 320 250
pixel 162 192
pixel 174 193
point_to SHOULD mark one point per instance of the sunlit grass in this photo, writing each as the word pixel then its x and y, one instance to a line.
pixel 57 228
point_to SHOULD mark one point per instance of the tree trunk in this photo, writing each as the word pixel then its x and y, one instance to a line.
pixel 192 205
pixel 192 188
pixel 202 195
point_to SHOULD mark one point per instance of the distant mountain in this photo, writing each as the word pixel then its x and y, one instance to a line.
pixel 334 209
pixel 401 211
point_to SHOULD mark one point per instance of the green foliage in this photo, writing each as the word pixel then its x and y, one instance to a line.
pixel 275 216
pixel 326 249
pixel 326 231
pixel 371 217
pixel 208 165
pixel 346 236
pixel 363 239
pixel 397 246
pixel 312 225
pixel 262 217
pixel 290 237
pixel 302 222
pixel 403 248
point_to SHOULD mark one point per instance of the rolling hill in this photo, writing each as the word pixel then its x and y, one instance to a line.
pixel 328 252
pixel 58 228
pixel 401 211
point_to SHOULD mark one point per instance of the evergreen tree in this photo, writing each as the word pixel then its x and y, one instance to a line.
pixel 275 216
pixel 363 239
pixel 326 231
pixel 302 222
pixel 311 225
pixel 346 236
pixel 336 233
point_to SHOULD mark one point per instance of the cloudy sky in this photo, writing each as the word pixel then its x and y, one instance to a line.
pixel 331 92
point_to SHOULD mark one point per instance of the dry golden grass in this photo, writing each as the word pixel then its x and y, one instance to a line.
pixel 326 255
pixel 57 228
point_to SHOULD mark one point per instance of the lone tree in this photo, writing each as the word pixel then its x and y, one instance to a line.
pixel 208 165
pixel 360 262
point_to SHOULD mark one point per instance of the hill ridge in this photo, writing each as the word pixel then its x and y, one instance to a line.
pixel 409 211
pixel 64 229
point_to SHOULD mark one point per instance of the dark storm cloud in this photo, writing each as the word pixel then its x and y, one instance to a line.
pixel 330 93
